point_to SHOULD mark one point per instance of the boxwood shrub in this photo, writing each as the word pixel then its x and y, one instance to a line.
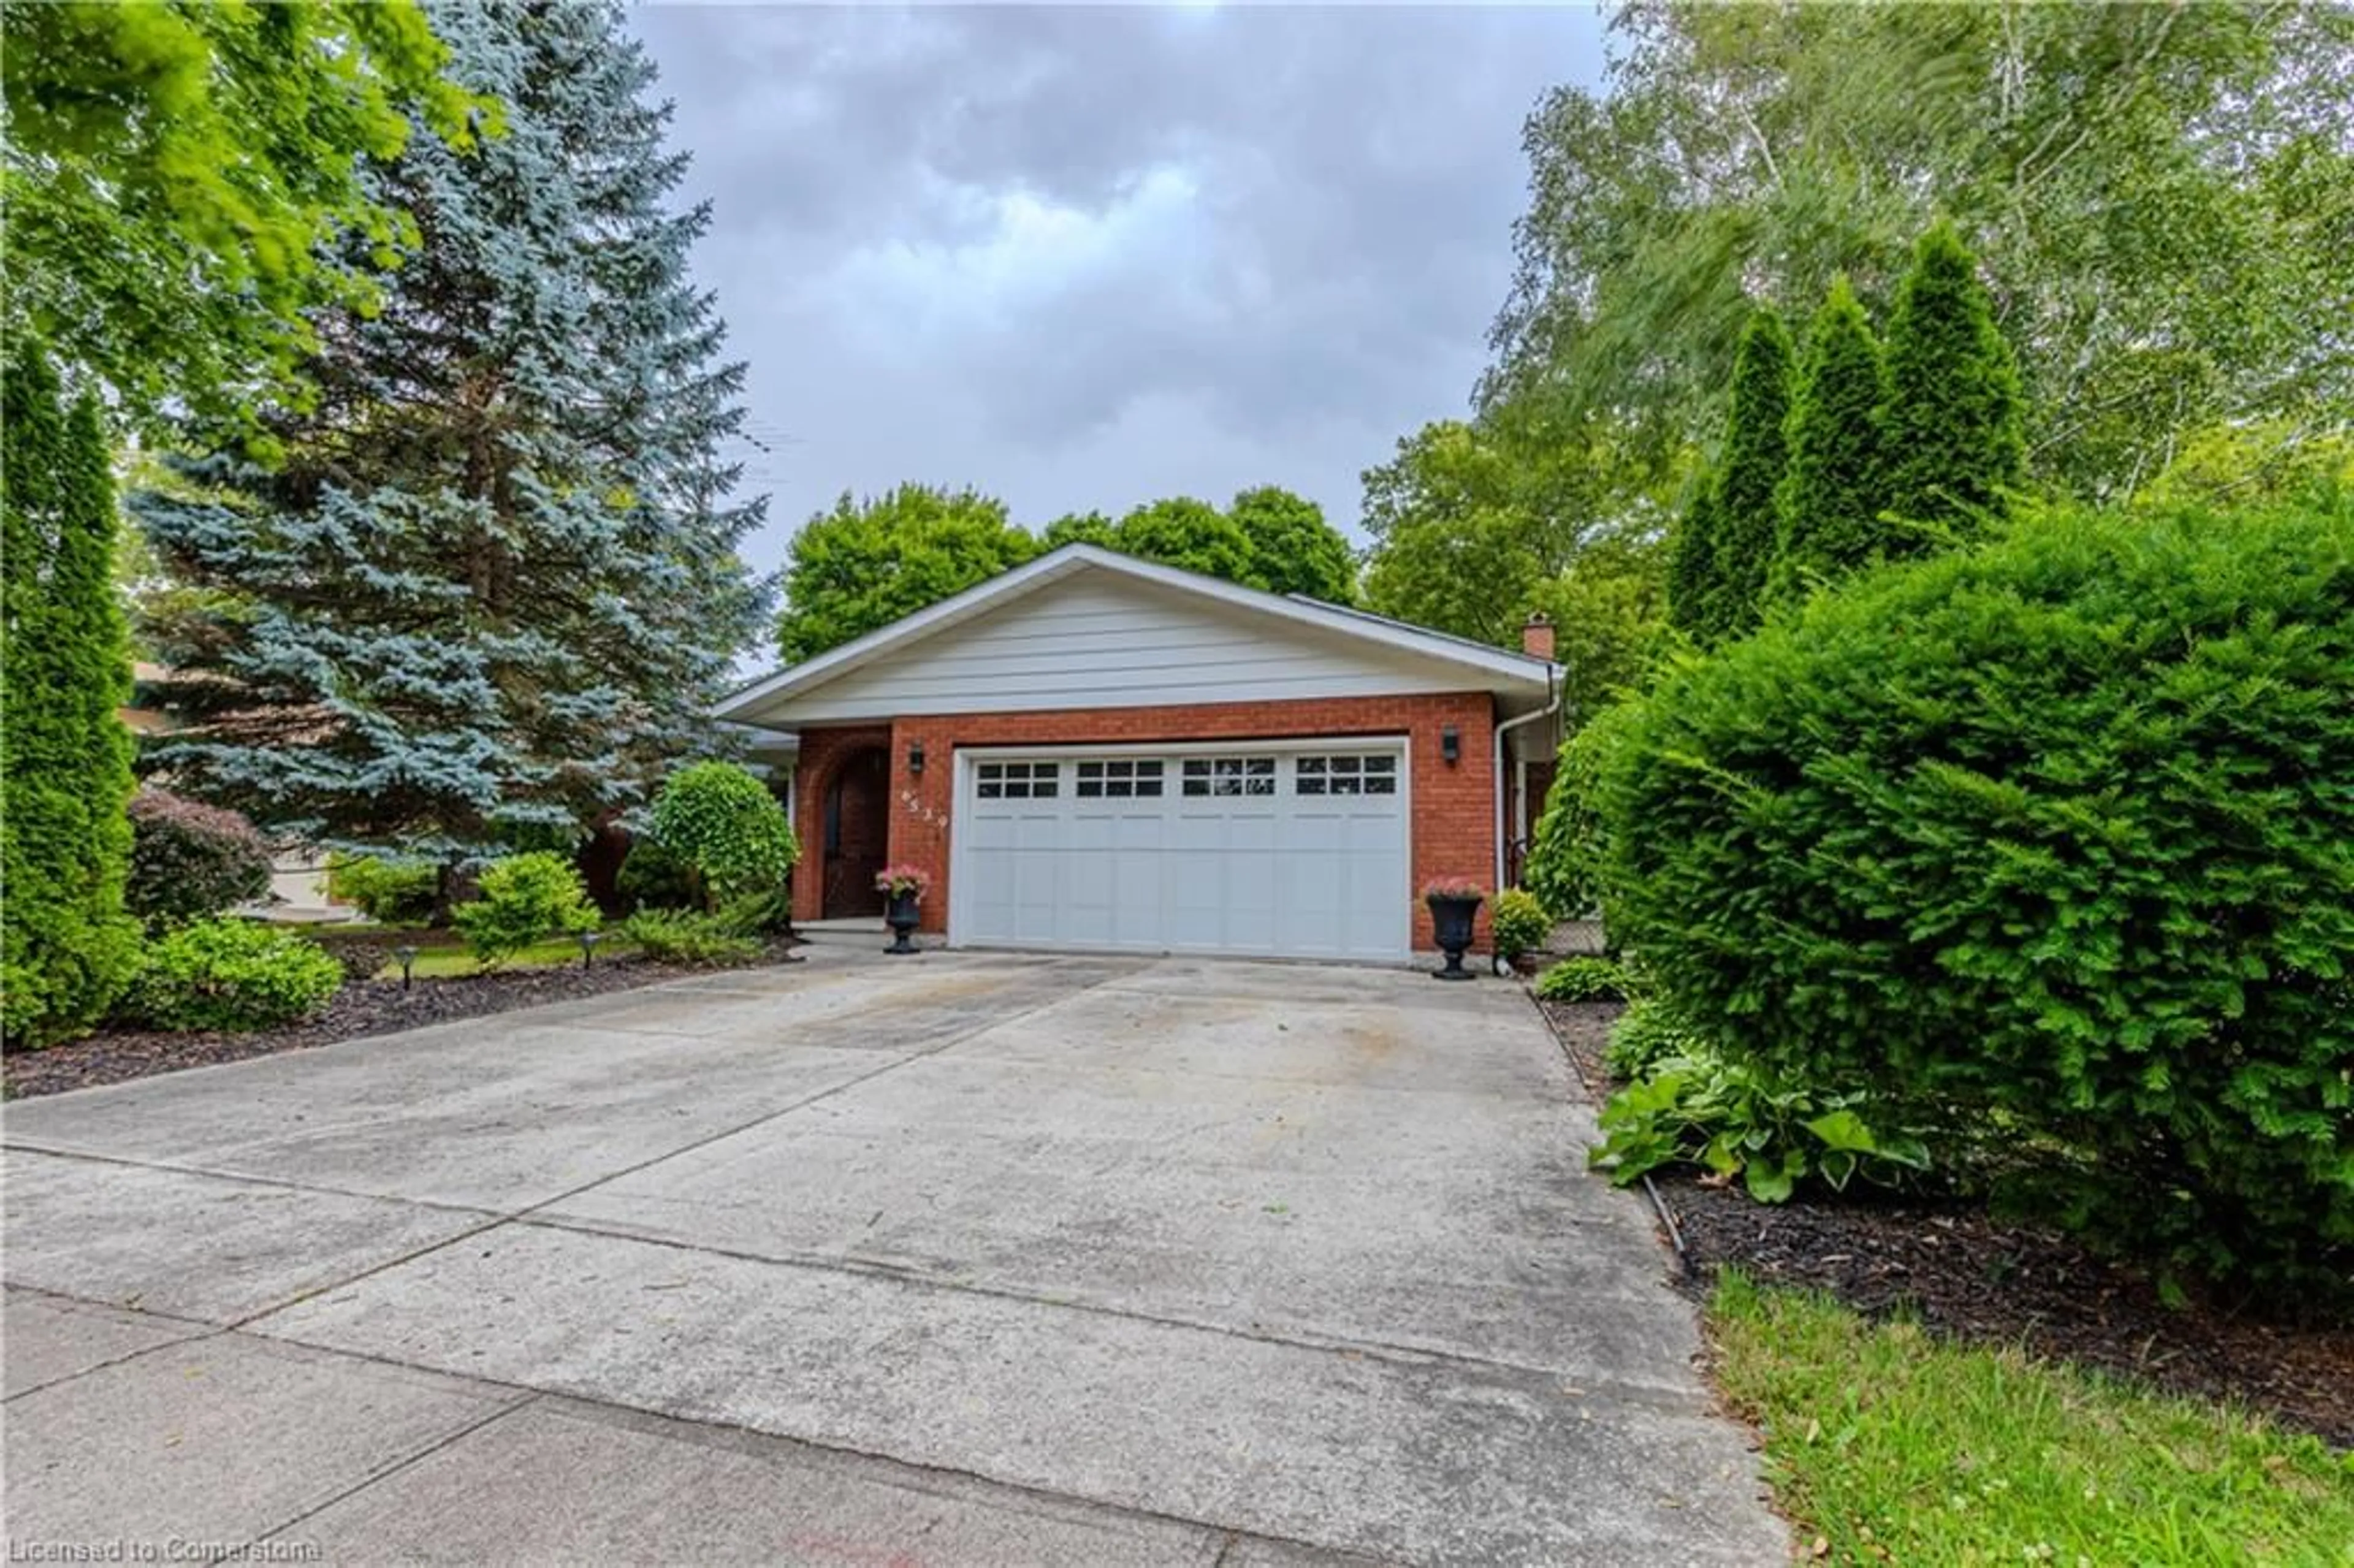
pixel 231 975
pixel 2056 836
pixel 1518 923
pixel 525 898
pixel 388 890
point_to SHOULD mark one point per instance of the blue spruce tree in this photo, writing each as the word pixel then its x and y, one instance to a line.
pixel 489 587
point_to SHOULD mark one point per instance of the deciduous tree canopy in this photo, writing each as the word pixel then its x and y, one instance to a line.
pixel 182 181
pixel 865 564
pixel 2164 193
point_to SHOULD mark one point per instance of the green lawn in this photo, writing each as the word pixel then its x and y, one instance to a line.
pixel 1887 1444
pixel 445 957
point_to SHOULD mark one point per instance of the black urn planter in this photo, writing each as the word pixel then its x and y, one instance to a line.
pixel 1450 919
pixel 901 916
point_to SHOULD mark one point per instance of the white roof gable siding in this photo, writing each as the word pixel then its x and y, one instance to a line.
pixel 1094 640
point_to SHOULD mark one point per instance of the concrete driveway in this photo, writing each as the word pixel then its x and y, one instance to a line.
pixel 957 1259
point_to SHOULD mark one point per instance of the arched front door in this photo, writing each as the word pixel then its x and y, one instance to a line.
pixel 857 832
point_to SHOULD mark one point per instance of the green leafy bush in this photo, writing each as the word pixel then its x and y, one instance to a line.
pixel 725 827
pixel 1564 866
pixel 690 937
pixel 1645 1034
pixel 231 975
pixel 760 915
pixel 525 898
pixel 190 860
pixel 1583 980
pixel 2059 830
pixel 1736 1119
pixel 1517 923
pixel 653 878
pixel 390 891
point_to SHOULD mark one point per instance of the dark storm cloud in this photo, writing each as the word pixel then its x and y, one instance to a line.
pixel 1082 257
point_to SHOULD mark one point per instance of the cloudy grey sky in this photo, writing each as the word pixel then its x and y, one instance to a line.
pixel 1083 258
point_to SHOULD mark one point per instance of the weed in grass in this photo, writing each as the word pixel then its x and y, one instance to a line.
pixel 1886 1445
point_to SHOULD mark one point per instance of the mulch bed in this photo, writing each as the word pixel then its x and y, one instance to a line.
pixel 1966 1276
pixel 371 1007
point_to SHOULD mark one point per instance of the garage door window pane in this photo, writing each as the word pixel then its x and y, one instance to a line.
pixel 1346 775
pixel 1119 779
pixel 1229 776
pixel 1018 780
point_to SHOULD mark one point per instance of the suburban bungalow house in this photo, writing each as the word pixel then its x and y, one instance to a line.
pixel 1096 752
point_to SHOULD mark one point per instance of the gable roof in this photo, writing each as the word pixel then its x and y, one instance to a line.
pixel 1481 667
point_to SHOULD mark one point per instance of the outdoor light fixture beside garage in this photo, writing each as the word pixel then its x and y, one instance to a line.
pixel 915 757
pixel 1450 745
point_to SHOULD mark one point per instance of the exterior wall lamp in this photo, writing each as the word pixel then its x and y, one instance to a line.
pixel 1450 745
pixel 915 757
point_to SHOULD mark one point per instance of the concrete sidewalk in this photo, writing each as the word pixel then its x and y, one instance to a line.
pixel 967 1259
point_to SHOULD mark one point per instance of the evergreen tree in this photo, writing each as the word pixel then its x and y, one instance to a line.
pixel 1956 417
pixel 1747 519
pixel 1836 482
pixel 493 586
pixel 65 753
pixel 1691 565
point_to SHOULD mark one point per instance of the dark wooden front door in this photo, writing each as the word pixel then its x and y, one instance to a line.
pixel 857 832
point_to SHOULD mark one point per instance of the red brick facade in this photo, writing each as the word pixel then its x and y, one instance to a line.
pixel 1453 804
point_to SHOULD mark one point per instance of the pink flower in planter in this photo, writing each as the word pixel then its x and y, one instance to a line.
pixel 897 880
pixel 1453 887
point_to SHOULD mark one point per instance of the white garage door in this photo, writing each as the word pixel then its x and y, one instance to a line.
pixel 1290 851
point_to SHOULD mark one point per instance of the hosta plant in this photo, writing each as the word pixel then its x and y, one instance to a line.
pixel 1734 1120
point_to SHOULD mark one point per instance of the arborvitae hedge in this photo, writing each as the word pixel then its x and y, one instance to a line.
pixel 1691 565
pixel 1955 421
pixel 65 841
pixel 2054 842
pixel 1838 480
pixel 1756 455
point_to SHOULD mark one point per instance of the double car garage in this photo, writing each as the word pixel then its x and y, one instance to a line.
pixel 1092 752
pixel 1298 848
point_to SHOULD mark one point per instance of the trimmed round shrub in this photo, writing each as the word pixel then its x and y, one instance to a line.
pixel 231 975
pixel 2057 835
pixel 523 899
pixel 727 828
pixel 1518 923
pixel 189 860
pixel 387 890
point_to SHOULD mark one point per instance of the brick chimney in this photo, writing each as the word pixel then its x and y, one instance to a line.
pixel 1537 636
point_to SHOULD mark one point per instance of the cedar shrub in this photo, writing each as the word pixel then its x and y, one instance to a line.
pixel 1756 454
pixel 1955 419
pixel 65 753
pixel 1837 481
